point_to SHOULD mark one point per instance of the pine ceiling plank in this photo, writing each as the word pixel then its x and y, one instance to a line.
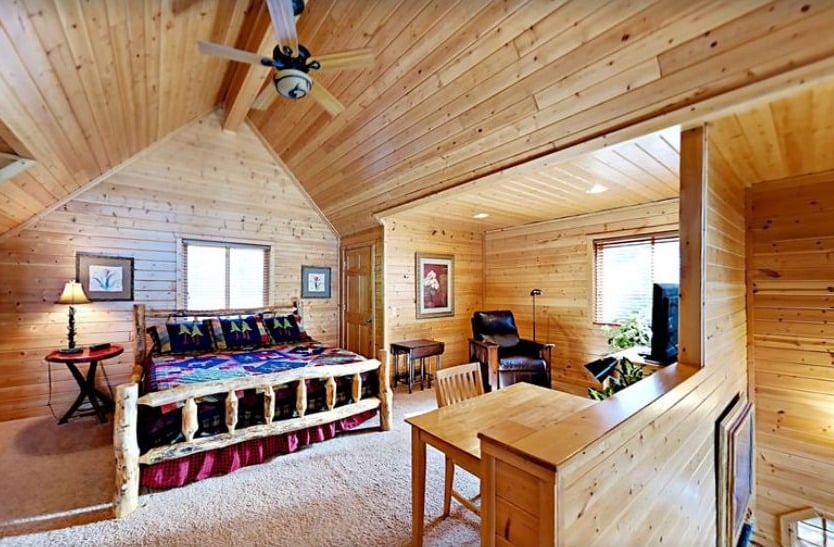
pixel 794 114
pixel 765 156
pixel 609 37
pixel 395 59
pixel 762 20
pixel 117 32
pixel 104 59
pixel 26 68
pixel 822 139
pixel 92 105
pixel 480 80
pixel 658 147
pixel 422 82
pixel 612 26
pixel 648 164
pixel 152 55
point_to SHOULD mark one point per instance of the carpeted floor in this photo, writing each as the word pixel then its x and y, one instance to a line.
pixel 56 486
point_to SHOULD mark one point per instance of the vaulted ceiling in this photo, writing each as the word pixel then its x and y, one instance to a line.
pixel 460 91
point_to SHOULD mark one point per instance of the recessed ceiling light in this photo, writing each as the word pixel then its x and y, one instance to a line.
pixel 596 189
pixel 480 216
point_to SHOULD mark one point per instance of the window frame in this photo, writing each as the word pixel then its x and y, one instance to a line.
pixel 597 242
pixel 182 280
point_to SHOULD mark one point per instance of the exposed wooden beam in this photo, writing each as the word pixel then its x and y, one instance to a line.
pixel 247 80
pixel 11 165
pixel 693 173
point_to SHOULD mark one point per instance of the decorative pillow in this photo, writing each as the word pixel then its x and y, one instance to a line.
pixel 282 328
pixel 161 344
pixel 241 332
pixel 302 332
pixel 189 337
pixel 264 334
pixel 215 330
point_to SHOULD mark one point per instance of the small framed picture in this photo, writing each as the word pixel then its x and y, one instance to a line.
pixel 315 282
pixel 434 285
pixel 105 277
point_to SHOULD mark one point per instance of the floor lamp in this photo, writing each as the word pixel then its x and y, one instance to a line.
pixel 534 293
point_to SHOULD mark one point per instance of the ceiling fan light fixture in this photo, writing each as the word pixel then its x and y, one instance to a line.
pixel 292 83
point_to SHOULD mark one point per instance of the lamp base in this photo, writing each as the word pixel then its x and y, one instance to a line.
pixel 70 351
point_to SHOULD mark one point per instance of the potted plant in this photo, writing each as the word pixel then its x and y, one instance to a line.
pixel 624 374
pixel 631 332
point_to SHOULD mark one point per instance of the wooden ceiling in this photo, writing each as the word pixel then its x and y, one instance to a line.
pixel 460 90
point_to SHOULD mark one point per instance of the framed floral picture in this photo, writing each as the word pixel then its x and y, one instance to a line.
pixel 434 285
pixel 315 282
pixel 105 277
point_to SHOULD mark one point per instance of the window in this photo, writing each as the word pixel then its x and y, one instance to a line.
pixel 807 528
pixel 221 275
pixel 625 269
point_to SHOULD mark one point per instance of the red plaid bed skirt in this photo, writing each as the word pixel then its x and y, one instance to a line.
pixel 224 460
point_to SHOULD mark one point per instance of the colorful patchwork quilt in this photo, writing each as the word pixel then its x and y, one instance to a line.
pixel 213 366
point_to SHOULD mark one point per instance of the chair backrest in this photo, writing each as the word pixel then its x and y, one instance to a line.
pixel 497 327
pixel 456 384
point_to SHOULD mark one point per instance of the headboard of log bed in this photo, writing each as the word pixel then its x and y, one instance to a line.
pixel 141 315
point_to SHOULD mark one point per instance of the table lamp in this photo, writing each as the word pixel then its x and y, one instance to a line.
pixel 73 294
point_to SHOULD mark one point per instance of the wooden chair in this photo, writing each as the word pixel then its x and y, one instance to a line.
pixel 453 385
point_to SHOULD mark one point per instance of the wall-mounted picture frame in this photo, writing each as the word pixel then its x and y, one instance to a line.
pixel 434 285
pixel 734 469
pixel 315 282
pixel 105 278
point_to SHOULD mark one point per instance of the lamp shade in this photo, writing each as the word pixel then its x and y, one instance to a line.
pixel 73 294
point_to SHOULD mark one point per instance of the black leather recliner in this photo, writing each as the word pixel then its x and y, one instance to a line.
pixel 505 357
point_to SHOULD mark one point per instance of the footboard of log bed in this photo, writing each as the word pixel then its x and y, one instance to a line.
pixel 126 446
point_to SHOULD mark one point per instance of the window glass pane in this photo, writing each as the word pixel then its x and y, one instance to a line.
pixel 205 271
pixel 809 532
pixel 626 271
pixel 626 286
pixel 667 262
pixel 246 277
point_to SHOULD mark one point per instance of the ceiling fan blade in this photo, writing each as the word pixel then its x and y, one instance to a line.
pixel 266 97
pixel 354 58
pixel 283 21
pixel 326 99
pixel 227 52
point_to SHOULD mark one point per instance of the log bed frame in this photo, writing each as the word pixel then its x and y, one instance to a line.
pixel 125 443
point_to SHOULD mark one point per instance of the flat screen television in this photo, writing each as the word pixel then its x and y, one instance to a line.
pixel 664 323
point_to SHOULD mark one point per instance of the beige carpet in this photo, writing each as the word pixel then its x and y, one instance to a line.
pixel 56 486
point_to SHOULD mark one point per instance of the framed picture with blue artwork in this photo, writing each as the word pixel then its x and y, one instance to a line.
pixel 315 282
pixel 108 278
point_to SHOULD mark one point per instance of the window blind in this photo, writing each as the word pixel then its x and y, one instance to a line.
pixel 225 275
pixel 625 269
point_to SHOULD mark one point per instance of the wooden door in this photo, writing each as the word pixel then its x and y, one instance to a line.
pixel 358 294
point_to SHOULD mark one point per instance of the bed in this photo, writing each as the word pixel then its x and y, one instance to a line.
pixel 257 387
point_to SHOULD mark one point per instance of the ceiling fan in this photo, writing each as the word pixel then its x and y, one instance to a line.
pixel 292 61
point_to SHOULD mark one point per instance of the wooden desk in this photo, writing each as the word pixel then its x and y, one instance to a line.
pixel 454 429
pixel 413 350
pixel 99 401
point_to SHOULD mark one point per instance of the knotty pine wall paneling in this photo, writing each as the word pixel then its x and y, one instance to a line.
pixel 791 272
pixel 410 232
pixel 558 258
pixel 202 182
pixel 651 481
